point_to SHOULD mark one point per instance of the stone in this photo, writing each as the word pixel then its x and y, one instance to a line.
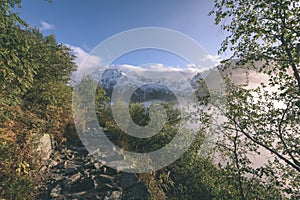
pixel 121 165
pixel 76 175
pixel 98 165
pixel 44 147
pixel 53 163
pixel 109 171
pixel 104 187
pixel 70 157
pixel 71 167
pixel 70 171
pixel 57 177
pixel 71 180
pixel 84 184
pixel 136 192
pixel 95 196
pixel 43 168
pixel 105 178
pixel 127 180
pixel 55 192
pixel 115 195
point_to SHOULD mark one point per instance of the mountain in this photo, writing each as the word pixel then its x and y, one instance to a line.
pixel 146 89
pixel 195 80
pixel 109 79
pixel 157 87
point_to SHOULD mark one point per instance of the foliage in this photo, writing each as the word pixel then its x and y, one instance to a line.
pixel 88 98
pixel 34 99
pixel 140 115
pixel 193 175
pixel 263 36
pixel 18 159
pixel 262 30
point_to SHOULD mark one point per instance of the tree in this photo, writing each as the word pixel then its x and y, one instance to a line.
pixel 50 95
pixel 34 99
pixel 265 118
pixel 15 62
pixel 262 30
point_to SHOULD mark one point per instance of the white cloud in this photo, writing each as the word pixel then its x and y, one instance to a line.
pixel 158 67
pixel 207 61
pixel 84 59
pixel 215 59
pixel 157 70
pixel 46 26
pixel 191 65
pixel 85 62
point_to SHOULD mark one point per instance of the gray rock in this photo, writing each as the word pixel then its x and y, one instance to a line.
pixel 70 171
pixel 71 180
pixel 102 178
pixel 84 184
pixel 115 195
pixel 71 167
pixel 127 180
pixel 55 192
pixel 104 187
pixel 53 163
pixel 136 192
pixel 44 147
pixel 70 157
pixel 57 177
pixel 98 165
pixel 76 175
pixel 60 165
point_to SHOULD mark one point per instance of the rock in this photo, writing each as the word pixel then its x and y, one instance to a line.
pixel 60 165
pixel 68 151
pixel 98 165
pixel 104 187
pixel 115 195
pixel 55 192
pixel 84 184
pixel 70 171
pixel 136 192
pixel 71 180
pixel 95 196
pixel 121 165
pixel 70 157
pixel 53 163
pixel 109 171
pixel 44 148
pixel 71 166
pixel 43 168
pixel 57 177
pixel 85 195
pixel 102 178
pixel 73 174
pixel 128 179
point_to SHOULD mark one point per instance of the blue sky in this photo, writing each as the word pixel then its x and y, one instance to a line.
pixel 84 24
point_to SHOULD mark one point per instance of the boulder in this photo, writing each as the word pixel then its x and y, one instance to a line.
pixel 127 180
pixel 44 148
pixel 137 192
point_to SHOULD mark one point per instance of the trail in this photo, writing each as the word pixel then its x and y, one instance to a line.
pixel 72 173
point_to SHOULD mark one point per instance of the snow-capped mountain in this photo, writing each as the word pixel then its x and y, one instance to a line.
pixel 167 83
pixel 145 89
pixel 109 79
pixel 195 80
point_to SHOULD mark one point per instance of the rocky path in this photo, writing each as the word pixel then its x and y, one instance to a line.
pixel 72 173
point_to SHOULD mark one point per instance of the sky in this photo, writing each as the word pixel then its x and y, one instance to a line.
pixel 82 25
